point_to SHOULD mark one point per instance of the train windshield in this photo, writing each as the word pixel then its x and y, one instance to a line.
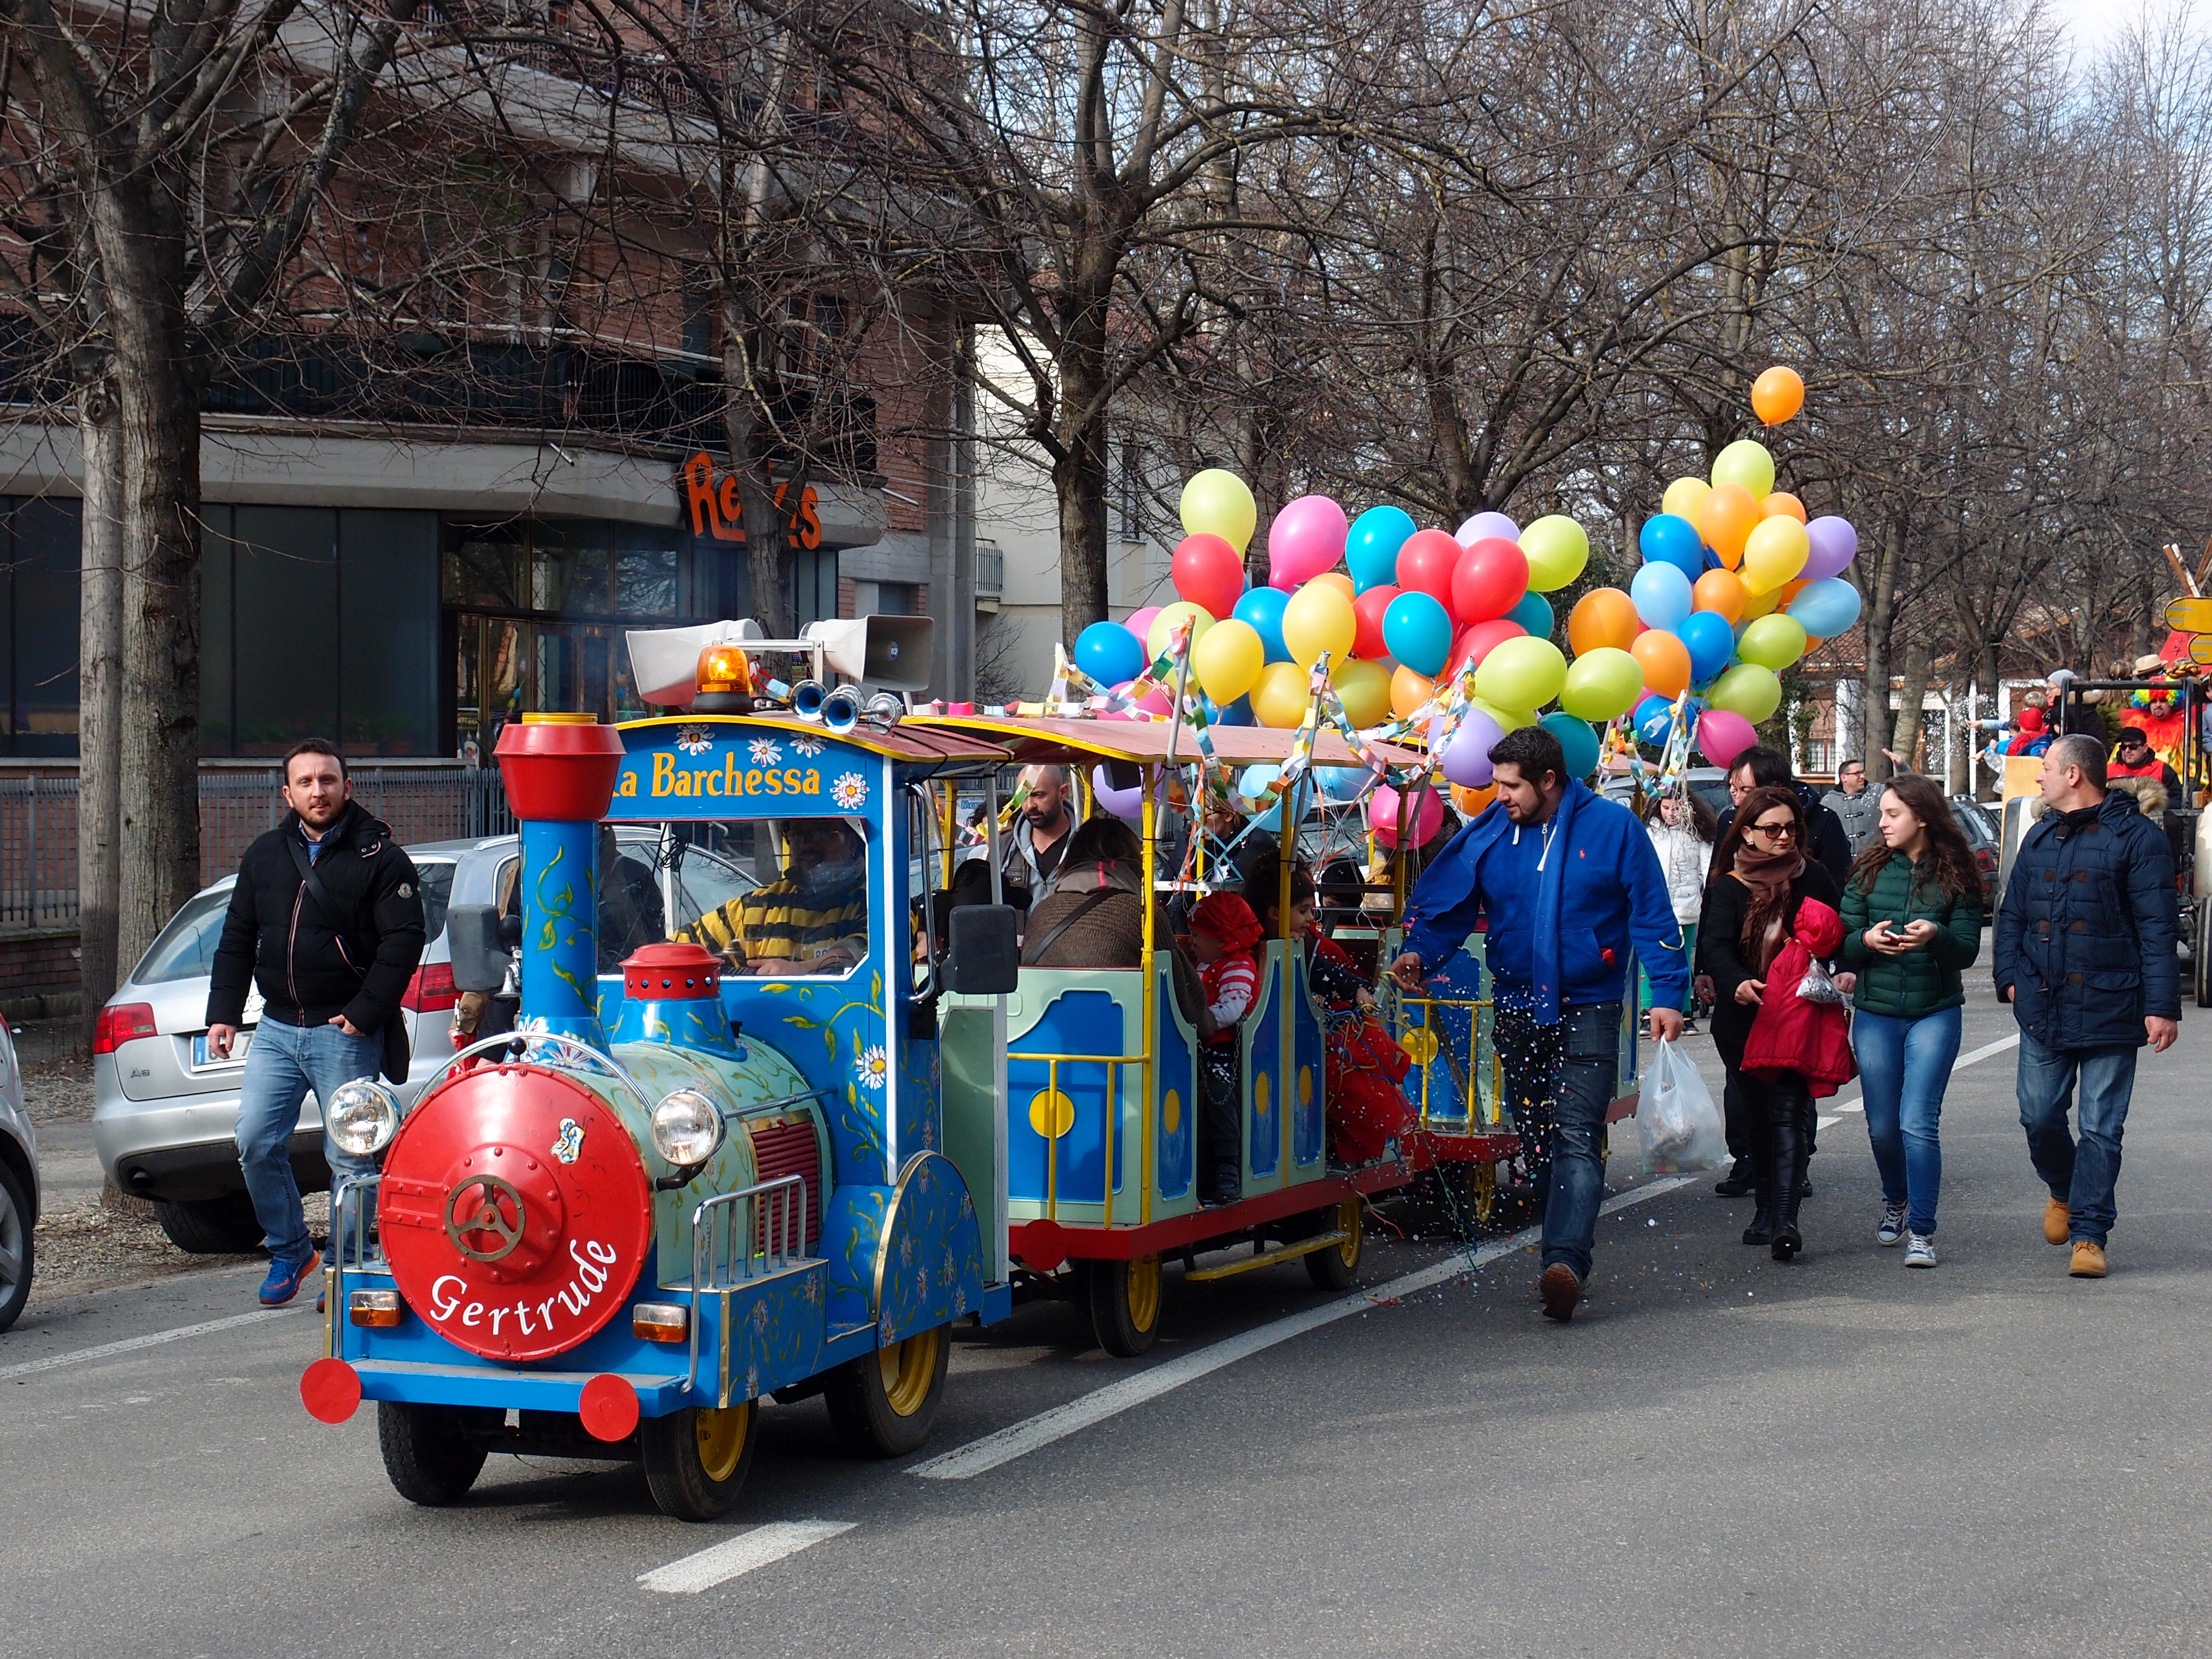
pixel 782 898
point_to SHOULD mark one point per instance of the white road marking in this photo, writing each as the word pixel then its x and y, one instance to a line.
pixel 721 1562
pixel 151 1339
pixel 1019 1439
pixel 1958 1064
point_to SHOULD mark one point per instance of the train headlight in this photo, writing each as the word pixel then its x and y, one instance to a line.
pixel 687 1127
pixel 362 1117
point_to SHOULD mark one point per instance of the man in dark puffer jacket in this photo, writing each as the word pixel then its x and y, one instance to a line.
pixel 331 985
pixel 2085 945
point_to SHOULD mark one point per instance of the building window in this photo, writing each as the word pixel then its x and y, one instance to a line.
pixel 1130 531
pixel 39 594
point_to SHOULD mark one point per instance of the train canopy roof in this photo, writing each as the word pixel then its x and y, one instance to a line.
pixel 1043 738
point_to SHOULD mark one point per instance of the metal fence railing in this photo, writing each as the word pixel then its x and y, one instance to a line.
pixel 38 826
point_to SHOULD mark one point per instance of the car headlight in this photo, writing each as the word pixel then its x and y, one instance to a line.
pixel 687 1127
pixel 362 1117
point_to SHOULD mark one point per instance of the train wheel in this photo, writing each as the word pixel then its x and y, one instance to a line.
pixel 1337 1268
pixel 426 1452
pixel 1125 1305
pixel 882 1403
pixel 696 1459
pixel 1482 1193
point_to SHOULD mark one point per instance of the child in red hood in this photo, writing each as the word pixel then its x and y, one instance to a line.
pixel 1222 932
pixel 2030 734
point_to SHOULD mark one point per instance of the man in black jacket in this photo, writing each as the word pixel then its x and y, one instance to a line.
pixel 327 919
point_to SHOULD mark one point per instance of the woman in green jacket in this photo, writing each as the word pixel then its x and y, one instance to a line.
pixel 1912 920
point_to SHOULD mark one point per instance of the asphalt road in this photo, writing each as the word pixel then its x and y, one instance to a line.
pixel 1721 1454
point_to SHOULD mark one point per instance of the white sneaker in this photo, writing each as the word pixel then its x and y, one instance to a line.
pixel 1893 1225
pixel 1920 1251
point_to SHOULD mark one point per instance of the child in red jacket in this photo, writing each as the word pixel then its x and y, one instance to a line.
pixel 1222 932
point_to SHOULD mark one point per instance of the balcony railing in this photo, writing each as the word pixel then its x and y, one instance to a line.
pixel 990 571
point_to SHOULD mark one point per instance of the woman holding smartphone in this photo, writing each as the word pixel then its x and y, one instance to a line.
pixel 1912 922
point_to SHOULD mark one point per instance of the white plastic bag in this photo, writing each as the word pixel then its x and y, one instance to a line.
pixel 1676 1120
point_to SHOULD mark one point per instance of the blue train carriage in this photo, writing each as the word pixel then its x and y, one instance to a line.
pixel 1097 1069
pixel 708 1176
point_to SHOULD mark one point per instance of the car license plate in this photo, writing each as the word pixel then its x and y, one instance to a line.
pixel 202 1059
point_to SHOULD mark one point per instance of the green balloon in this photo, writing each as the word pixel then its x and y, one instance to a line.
pixel 1772 641
pixel 1522 673
pixel 1508 719
pixel 1557 549
pixel 1745 462
pixel 1746 690
pixel 1601 684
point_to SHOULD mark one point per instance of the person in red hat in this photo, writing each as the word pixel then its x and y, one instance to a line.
pixel 1223 931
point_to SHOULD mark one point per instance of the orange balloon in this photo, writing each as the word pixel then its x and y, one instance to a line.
pixel 1665 661
pixel 1777 395
pixel 1409 691
pixel 1781 501
pixel 1726 519
pixel 1337 580
pixel 1789 591
pixel 1467 802
pixel 1602 616
pixel 1813 643
pixel 1722 593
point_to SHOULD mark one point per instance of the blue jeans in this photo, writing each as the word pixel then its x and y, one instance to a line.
pixel 1904 1065
pixel 2083 1176
pixel 284 1067
pixel 1559 1078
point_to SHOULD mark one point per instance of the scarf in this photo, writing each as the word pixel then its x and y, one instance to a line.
pixel 1768 875
pixel 1229 919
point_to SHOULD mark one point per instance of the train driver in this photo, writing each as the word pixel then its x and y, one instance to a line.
pixel 813 919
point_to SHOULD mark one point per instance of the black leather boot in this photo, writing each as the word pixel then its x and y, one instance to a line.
pixel 1789 1161
pixel 1761 1160
pixel 1740 1180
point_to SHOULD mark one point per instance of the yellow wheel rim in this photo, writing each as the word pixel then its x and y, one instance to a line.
pixel 1485 1191
pixel 908 1369
pixel 1142 1279
pixel 721 1438
pixel 1348 1215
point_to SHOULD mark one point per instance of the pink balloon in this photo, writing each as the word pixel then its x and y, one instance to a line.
pixel 1382 816
pixel 1722 735
pixel 1155 701
pixel 1141 624
pixel 1306 539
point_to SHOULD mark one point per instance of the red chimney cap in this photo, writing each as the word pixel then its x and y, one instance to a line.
pixel 671 973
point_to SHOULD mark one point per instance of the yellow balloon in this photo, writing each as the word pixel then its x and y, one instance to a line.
pixel 1318 618
pixel 1775 551
pixel 1156 637
pixel 1557 549
pixel 1217 503
pixel 1228 659
pixel 1363 687
pixel 1761 604
pixel 1278 696
pixel 1684 497
pixel 1747 462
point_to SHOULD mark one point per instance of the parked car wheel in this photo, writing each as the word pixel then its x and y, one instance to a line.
pixel 17 1247
pixel 210 1226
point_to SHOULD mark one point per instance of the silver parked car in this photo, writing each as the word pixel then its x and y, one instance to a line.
pixel 19 1185
pixel 164 1114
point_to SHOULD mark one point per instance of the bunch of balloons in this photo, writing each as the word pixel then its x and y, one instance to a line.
pixel 1736 584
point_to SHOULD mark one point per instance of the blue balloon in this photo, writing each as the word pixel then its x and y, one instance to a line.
pixel 1262 607
pixel 1341 782
pixel 1710 640
pixel 1535 614
pixel 1418 631
pixel 1110 653
pixel 1255 779
pixel 1370 549
pixel 1827 607
pixel 1237 714
pixel 1666 540
pixel 1577 741
pixel 1661 595
pixel 1654 718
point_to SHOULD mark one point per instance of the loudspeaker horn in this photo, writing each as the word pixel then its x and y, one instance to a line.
pixel 892 652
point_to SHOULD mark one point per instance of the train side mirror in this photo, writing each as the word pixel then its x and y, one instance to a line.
pixel 473 936
pixel 982 959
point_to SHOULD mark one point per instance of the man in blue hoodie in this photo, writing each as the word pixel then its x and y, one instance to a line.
pixel 1570 891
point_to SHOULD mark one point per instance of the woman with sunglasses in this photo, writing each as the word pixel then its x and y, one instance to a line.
pixel 1760 876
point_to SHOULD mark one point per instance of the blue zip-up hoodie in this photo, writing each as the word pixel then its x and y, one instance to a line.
pixel 1565 899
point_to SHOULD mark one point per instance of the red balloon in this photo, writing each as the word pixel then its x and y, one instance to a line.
pixel 1367 609
pixel 1209 574
pixel 1479 640
pixel 1425 564
pixel 1489 579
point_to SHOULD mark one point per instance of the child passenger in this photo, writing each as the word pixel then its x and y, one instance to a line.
pixel 1223 931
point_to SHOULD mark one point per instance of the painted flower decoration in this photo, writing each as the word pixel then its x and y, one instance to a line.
pixel 752 1382
pixel 906 1252
pixel 875 1067
pixel 694 739
pixel 809 747
pixel 850 790
pixel 765 753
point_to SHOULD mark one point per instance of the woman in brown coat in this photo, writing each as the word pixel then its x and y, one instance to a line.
pixel 1092 915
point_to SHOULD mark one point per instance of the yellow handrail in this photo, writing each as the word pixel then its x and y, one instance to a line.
pixel 1052 1097
pixel 1498 1075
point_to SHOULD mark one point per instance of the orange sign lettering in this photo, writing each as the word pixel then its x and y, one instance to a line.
pixel 715 511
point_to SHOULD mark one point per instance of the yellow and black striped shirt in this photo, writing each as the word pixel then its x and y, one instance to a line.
pixel 783 922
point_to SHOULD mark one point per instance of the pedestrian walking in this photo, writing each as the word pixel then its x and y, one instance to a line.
pixel 1681 831
pixel 2084 949
pixel 1857 807
pixel 1912 921
pixel 327 919
pixel 1568 885
pixel 1762 876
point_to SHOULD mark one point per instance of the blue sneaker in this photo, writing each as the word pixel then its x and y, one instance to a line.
pixel 285 1278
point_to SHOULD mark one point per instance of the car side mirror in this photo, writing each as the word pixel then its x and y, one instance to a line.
pixel 982 959
pixel 474 937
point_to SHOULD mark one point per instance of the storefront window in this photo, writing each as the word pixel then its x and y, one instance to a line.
pixel 38 540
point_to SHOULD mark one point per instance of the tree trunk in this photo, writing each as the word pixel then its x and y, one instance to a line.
pixel 99 687
pixel 1079 482
pixel 1913 686
pixel 1879 620
pixel 767 552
